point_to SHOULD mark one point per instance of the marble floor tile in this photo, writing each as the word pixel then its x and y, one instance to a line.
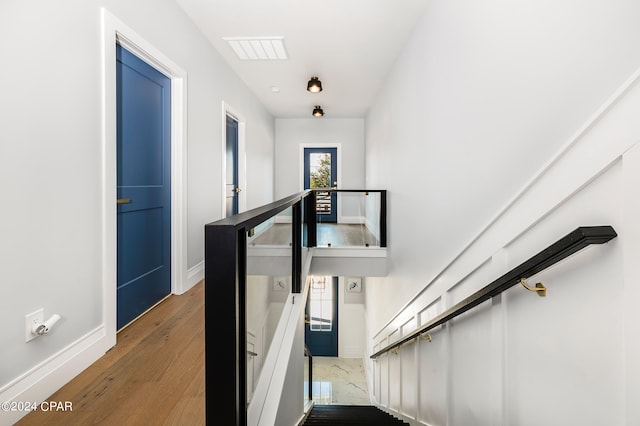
pixel 338 381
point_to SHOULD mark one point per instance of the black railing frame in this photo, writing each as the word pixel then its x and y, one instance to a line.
pixel 564 247
pixel 225 303
pixel 312 220
pixel 225 296
pixel 308 354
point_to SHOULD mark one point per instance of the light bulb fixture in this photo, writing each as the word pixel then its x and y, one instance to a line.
pixel 317 111
pixel 314 85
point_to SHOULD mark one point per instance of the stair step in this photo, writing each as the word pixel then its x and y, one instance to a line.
pixel 346 415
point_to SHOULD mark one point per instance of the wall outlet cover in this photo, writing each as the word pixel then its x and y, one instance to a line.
pixel 30 320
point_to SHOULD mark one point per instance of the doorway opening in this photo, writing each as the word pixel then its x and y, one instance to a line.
pixel 116 32
pixel 143 149
pixel 238 122
pixel 232 190
pixel 321 316
pixel 321 172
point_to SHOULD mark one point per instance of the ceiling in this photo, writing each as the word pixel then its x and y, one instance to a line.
pixel 349 44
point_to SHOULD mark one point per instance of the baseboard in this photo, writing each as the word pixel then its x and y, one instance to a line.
pixel 283 219
pixel 308 406
pixel 40 382
pixel 195 274
pixel 373 228
pixel 351 351
pixel 351 220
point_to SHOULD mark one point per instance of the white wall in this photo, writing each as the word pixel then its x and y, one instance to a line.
pixel 506 158
pixel 291 133
pixel 481 97
pixel 351 322
pixel 50 163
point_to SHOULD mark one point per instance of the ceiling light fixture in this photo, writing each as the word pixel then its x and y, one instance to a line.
pixel 317 111
pixel 314 85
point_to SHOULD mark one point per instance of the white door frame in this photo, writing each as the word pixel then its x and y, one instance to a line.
pixel 338 147
pixel 115 31
pixel 242 158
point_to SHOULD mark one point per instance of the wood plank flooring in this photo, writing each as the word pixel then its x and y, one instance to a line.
pixel 345 235
pixel 333 234
pixel 153 376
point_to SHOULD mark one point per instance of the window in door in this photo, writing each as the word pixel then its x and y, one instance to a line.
pixel 321 331
pixel 320 171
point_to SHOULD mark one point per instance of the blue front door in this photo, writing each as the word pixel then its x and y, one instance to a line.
pixel 321 171
pixel 143 186
pixel 321 317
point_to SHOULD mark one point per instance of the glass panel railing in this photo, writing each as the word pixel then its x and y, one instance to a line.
pixel 269 278
pixel 348 218
pixel 274 232
pixel 253 264
pixel 305 205
pixel 308 376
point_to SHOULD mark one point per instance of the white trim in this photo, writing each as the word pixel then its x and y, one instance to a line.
pixel 263 408
pixel 41 381
pixel 350 252
pixel 115 31
pixel 195 274
pixel 304 145
pixel 283 219
pixel 338 147
pixel 630 255
pixel 242 157
pixel 607 147
pixel 352 220
pixel 603 162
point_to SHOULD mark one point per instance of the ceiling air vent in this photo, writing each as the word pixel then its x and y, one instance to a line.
pixel 258 48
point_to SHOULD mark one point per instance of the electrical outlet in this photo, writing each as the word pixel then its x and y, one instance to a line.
pixel 34 318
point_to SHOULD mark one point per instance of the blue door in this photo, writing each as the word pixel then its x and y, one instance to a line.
pixel 321 317
pixel 321 171
pixel 231 186
pixel 143 186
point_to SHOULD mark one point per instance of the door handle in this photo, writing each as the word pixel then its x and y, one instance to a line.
pixel 124 200
pixel 238 190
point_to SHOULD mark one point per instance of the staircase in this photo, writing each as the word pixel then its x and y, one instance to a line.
pixel 344 415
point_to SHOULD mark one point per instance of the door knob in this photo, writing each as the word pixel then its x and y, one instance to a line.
pixel 238 189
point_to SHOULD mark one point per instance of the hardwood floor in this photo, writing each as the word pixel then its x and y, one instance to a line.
pixel 153 376
pixel 333 234
pixel 345 235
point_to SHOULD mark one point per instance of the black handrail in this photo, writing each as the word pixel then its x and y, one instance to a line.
pixel 256 216
pixel 564 247
pixel 225 296
pixel 225 293
pixel 307 353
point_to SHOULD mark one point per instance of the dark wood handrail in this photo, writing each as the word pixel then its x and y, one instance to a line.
pixel 564 247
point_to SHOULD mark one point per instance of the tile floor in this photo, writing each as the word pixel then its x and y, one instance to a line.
pixel 338 381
